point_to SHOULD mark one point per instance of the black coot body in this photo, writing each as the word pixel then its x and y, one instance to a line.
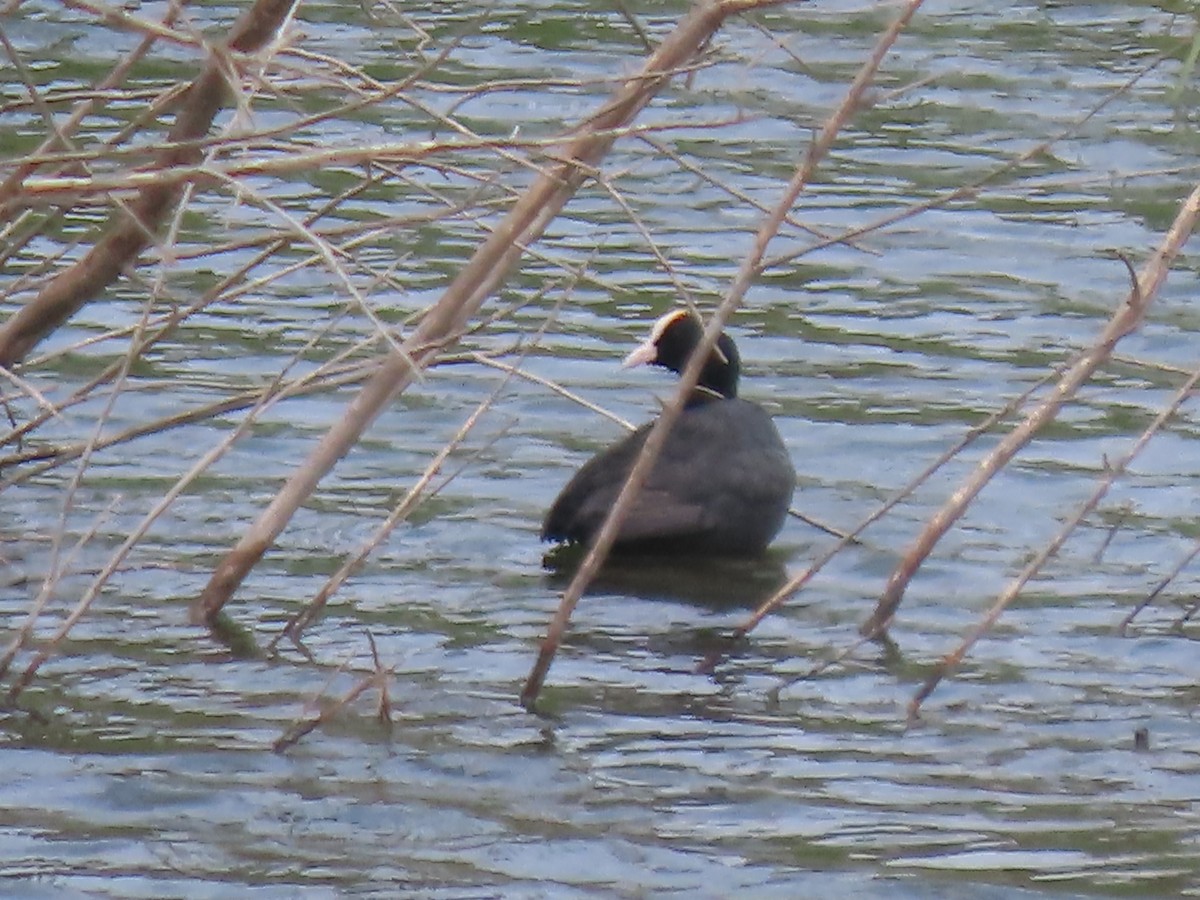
pixel 721 485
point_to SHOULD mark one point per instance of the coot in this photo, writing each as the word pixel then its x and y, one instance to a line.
pixel 721 484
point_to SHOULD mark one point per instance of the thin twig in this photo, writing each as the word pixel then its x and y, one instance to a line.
pixel 747 272
pixel 1123 321
pixel 1151 278
pixel 473 285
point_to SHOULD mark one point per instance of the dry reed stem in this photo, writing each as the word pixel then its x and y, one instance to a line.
pixel 84 107
pixel 1187 616
pixel 180 312
pixel 555 387
pixel 130 231
pixel 27 389
pixel 55 456
pixel 743 197
pixel 377 679
pixel 68 502
pixel 268 398
pixel 475 282
pixel 43 190
pixel 57 189
pixel 798 581
pixel 114 16
pixel 55 571
pixel 747 272
pixel 167 324
pixel 1124 320
pixel 141 343
pixel 330 256
pixel 973 189
pixel 418 493
pixel 1151 278
pixel 795 583
pixel 1123 625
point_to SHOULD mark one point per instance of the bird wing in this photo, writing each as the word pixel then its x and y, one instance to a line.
pixel 659 514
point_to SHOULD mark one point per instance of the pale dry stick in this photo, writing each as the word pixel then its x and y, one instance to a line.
pixel 798 581
pixel 293 735
pixel 421 492
pixel 635 24
pixel 334 672
pixel 1151 364
pixel 10 246
pixel 381 92
pixel 968 191
pixel 1188 615
pixel 68 126
pixel 909 212
pixel 114 562
pixel 278 238
pixel 165 324
pixel 832 530
pixel 384 713
pixel 1123 321
pixel 47 115
pixel 951 660
pixel 468 92
pixel 466 294
pixel 27 227
pixel 743 197
pixel 1123 625
pixel 851 103
pixel 747 271
pixel 43 190
pixel 108 153
pixel 243 141
pixel 681 290
pixel 55 571
pixel 140 125
pixel 329 376
pixel 67 505
pixel 869 630
pixel 35 95
pixel 28 278
pixel 415 495
pixel 222 291
pixel 93 440
pixel 605 538
pixel 485 227
pixel 553 386
pixel 96 96
pixel 169 323
pixel 330 73
pixel 89 449
pixel 40 191
pixel 329 256
pixel 113 16
pixel 130 232
pixel 1124 511
pixel 51 409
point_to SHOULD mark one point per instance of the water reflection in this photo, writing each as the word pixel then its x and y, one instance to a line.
pixel 715 583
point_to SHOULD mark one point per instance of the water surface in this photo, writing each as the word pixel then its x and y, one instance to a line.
pixel 139 762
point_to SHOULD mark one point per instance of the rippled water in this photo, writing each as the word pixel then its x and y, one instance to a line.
pixel 139 761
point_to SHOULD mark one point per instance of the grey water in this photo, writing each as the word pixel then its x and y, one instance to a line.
pixel 139 762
